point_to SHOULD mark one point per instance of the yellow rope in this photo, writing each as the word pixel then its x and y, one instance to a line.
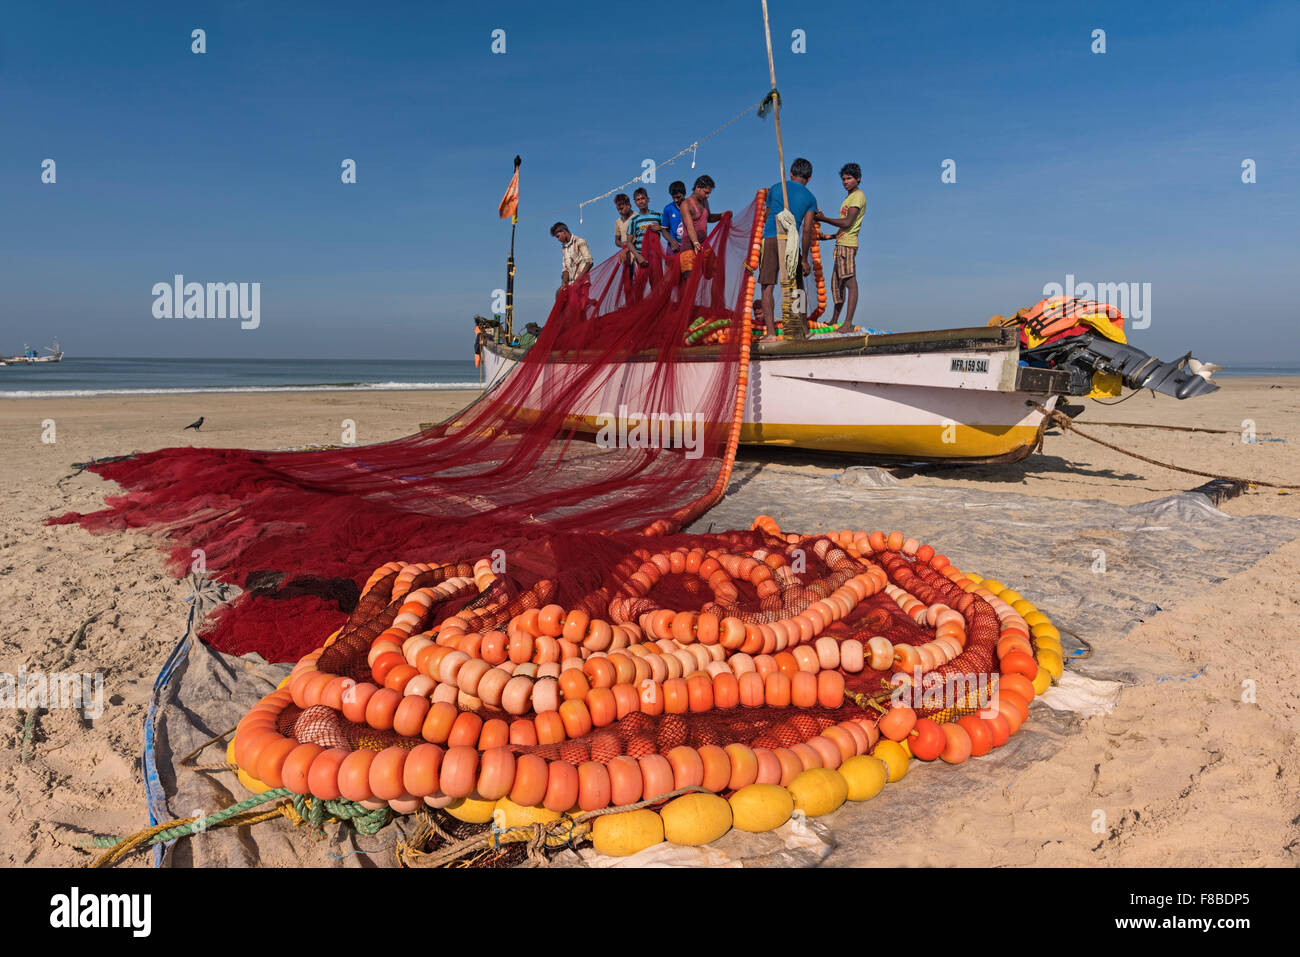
pixel 1065 422
pixel 142 839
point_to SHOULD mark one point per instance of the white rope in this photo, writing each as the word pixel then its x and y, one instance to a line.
pixel 692 148
pixel 785 221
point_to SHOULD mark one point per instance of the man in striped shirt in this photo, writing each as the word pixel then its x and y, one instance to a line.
pixel 644 220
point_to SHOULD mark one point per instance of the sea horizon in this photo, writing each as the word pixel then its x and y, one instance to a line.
pixel 89 376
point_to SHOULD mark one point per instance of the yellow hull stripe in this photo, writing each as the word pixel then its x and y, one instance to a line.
pixel 923 441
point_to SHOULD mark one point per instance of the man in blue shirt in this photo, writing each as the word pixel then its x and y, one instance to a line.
pixel 804 206
pixel 672 218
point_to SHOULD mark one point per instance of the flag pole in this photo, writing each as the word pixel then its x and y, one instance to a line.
pixel 787 284
pixel 510 269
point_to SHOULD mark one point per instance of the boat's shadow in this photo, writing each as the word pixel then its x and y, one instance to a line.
pixel 1010 473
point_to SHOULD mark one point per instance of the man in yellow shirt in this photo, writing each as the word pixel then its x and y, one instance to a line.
pixel 844 280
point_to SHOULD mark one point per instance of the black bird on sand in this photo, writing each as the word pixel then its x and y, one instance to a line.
pixel 194 425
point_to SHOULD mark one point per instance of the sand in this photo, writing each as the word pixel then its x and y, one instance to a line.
pixel 1188 781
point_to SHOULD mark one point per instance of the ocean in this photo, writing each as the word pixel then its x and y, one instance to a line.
pixel 89 376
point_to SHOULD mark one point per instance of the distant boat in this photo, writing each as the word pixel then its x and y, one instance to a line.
pixel 30 356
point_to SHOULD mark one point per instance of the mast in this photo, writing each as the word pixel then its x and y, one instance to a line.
pixel 787 284
pixel 776 108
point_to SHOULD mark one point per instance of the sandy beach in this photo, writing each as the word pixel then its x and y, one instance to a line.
pixel 1204 785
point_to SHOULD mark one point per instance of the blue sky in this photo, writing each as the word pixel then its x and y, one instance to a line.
pixel 1115 167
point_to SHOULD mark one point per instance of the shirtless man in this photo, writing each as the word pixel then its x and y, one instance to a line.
pixel 696 217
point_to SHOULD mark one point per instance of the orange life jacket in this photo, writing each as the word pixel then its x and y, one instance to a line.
pixel 1059 316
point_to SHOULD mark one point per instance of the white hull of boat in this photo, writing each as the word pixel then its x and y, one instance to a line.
pixel 954 394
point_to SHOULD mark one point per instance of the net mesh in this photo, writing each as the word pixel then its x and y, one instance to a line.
pixel 638 734
pixel 517 470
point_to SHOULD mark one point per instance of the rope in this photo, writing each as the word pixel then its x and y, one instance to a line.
pixel 29 725
pixel 82 466
pixel 690 148
pixel 212 740
pixel 1125 399
pixel 1087 648
pixel 299 809
pixel 1171 428
pixel 1068 423
pixel 565 832
pixel 316 812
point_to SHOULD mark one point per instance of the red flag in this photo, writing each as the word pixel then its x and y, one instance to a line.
pixel 510 201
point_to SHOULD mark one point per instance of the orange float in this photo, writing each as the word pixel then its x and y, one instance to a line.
pixel 620 699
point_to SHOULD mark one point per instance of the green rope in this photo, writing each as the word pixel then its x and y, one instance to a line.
pixel 183 830
pixel 315 812
pixel 203 823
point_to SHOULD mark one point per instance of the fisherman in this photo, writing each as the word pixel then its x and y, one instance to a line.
pixel 576 258
pixel 624 207
pixel 529 338
pixel 644 220
pixel 803 206
pixel 844 279
pixel 483 329
pixel 696 217
pixel 672 217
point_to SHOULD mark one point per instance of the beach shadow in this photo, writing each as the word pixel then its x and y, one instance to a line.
pixel 1016 472
pixel 1004 472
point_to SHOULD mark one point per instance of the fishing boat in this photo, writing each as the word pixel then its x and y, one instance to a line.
pixel 30 356
pixel 959 395
pixel 962 395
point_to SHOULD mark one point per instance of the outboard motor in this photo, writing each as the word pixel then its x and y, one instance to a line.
pixel 1085 354
pixel 1084 337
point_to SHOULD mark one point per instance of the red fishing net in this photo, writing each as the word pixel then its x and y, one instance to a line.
pixel 823 566
pixel 518 470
